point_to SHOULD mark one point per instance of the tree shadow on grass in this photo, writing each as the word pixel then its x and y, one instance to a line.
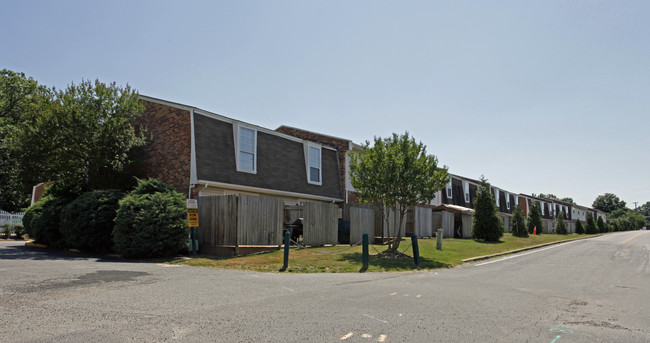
pixel 393 264
pixel 487 242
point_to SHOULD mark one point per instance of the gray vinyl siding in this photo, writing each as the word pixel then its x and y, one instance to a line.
pixel 280 161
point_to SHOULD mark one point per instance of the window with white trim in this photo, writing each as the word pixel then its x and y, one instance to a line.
pixel 466 189
pixel 246 142
pixel 541 206
pixel 507 200
pixel 496 196
pixel 314 169
pixel 449 192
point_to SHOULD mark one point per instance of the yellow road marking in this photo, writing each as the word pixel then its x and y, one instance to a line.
pixel 393 293
pixel 631 238
pixel 381 338
pixel 348 335
pixel 406 295
pixel 419 295
pixel 365 335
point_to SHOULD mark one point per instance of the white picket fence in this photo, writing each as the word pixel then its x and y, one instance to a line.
pixel 11 218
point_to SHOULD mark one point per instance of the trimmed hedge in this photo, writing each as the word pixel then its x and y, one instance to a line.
pixel 87 222
pixel 150 224
pixel 42 221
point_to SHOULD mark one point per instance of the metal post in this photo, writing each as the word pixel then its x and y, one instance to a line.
pixel 193 241
pixel 439 239
pixel 366 255
pixel 287 237
pixel 416 249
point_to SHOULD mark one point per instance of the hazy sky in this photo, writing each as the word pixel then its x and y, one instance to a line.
pixel 538 96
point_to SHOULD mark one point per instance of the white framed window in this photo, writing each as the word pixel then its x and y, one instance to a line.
pixel 449 191
pixel 507 200
pixel 466 189
pixel 541 206
pixel 246 149
pixel 496 196
pixel 516 200
pixel 314 162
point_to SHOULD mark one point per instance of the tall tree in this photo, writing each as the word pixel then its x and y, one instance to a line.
pixel 560 226
pixel 396 173
pixel 608 202
pixel 518 223
pixel 20 97
pixel 591 227
pixel 487 225
pixel 535 218
pixel 84 140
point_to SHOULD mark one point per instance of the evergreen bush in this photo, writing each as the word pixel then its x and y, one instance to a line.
pixel 5 231
pixel 591 227
pixel 560 226
pixel 150 224
pixel 87 222
pixel 487 225
pixel 535 218
pixel 518 223
pixel 43 223
pixel 19 232
pixel 602 227
pixel 579 229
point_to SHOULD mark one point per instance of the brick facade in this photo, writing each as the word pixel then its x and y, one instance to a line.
pixel 342 146
pixel 168 155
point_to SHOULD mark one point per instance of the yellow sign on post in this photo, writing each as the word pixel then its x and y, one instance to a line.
pixel 193 217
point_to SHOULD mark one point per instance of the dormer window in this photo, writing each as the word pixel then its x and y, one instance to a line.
pixel 449 192
pixel 314 170
pixel 246 149
pixel 496 196
pixel 507 200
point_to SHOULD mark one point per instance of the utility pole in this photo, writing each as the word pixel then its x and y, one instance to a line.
pixel 635 202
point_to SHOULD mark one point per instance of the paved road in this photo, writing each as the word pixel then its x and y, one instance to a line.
pixel 594 290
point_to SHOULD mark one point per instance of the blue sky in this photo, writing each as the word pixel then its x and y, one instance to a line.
pixel 538 96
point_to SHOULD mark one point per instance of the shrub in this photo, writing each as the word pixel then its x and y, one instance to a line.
pixel 535 218
pixel 518 223
pixel 591 228
pixel 487 225
pixel 87 222
pixel 150 225
pixel 19 231
pixel 151 186
pixel 560 226
pixel 5 231
pixel 43 223
pixel 579 229
pixel 602 227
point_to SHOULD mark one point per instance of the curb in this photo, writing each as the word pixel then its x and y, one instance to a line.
pixel 485 257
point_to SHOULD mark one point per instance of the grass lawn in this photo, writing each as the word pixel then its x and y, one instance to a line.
pixel 349 261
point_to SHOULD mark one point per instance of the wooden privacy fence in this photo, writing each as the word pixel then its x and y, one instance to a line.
pixel 362 219
pixel 12 219
pixel 233 220
pixel 320 223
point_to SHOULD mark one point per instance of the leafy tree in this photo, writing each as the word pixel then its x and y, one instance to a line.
pixel 636 219
pixel 560 226
pixel 487 225
pixel 619 213
pixel 396 173
pixel 579 229
pixel 615 226
pixel 602 227
pixel 20 97
pixel 535 218
pixel 84 139
pixel 591 227
pixel 518 223
pixel 608 202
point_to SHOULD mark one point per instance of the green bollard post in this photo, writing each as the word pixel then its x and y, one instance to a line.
pixel 366 255
pixel 416 249
pixel 287 237
pixel 193 241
